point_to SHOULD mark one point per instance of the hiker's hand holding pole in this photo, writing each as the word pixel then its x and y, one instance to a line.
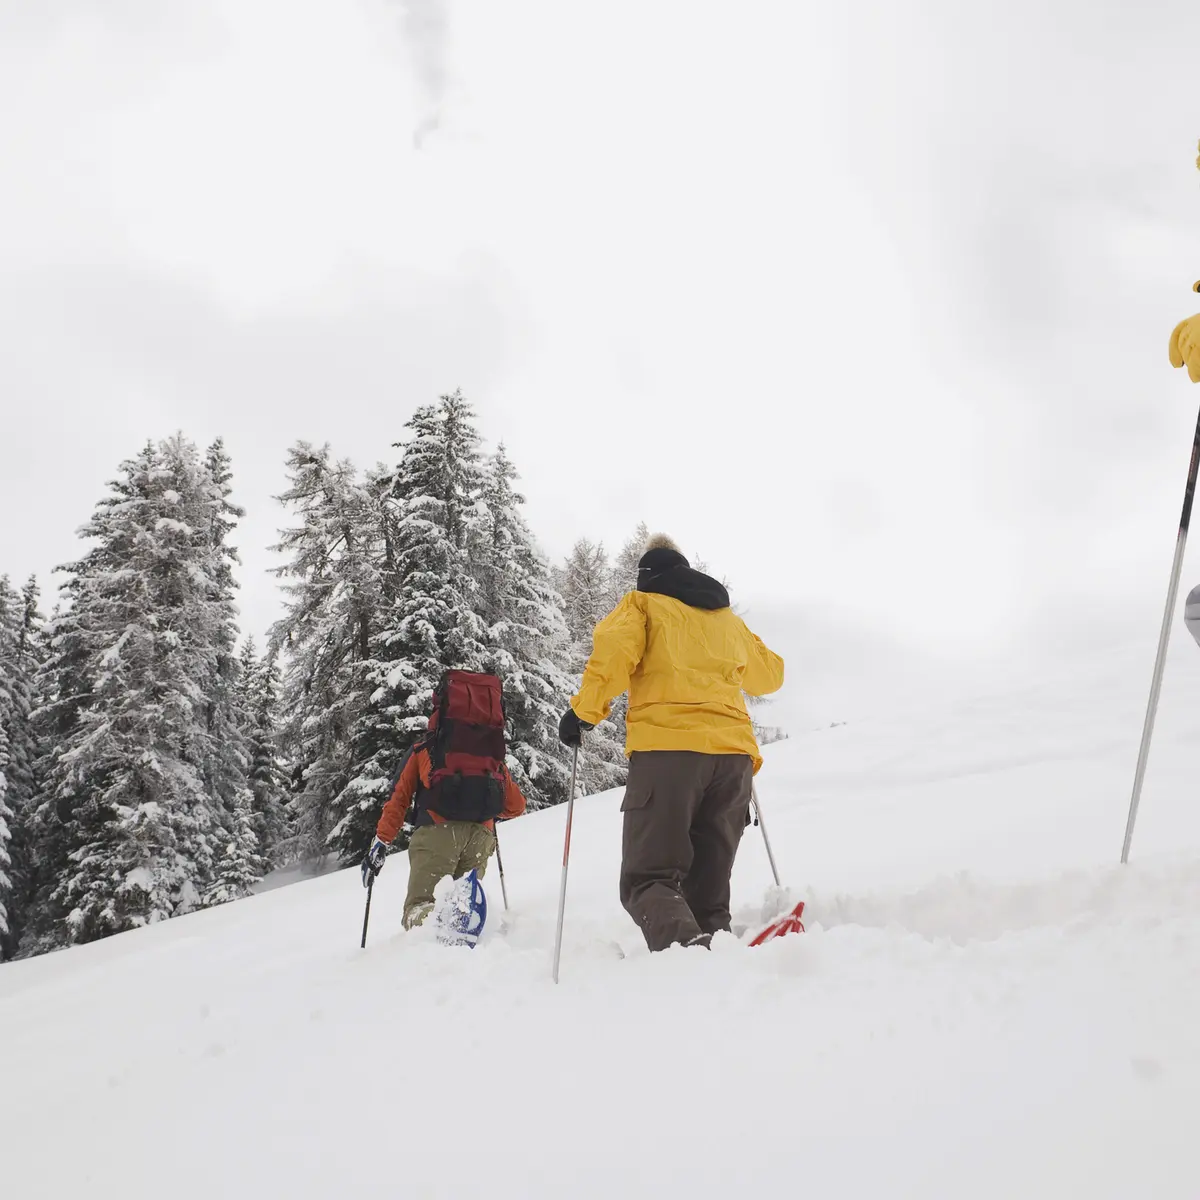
pixel 372 864
pixel 1182 350
pixel 571 729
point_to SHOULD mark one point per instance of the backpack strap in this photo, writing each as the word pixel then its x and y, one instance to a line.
pixel 395 779
pixel 414 803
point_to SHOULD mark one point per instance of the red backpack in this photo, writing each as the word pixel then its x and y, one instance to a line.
pixel 466 748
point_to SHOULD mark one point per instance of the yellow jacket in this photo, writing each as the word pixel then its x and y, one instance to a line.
pixel 685 670
pixel 1184 349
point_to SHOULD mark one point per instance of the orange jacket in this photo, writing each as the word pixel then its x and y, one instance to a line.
pixel 416 769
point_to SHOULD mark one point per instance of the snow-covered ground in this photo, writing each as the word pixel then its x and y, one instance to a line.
pixel 984 1005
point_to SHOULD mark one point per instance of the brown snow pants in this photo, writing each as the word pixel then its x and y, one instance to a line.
pixel 434 851
pixel 684 817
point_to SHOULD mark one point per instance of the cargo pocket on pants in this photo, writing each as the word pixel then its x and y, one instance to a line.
pixel 637 795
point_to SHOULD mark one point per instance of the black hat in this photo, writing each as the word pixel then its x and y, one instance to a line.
pixel 661 554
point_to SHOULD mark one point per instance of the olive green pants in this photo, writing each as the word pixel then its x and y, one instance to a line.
pixel 452 848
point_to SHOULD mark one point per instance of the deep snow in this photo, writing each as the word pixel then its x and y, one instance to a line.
pixel 984 1005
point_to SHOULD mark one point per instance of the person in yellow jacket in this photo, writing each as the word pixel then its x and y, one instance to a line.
pixel 1184 349
pixel 685 659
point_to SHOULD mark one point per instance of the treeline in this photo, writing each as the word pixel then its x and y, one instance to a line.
pixel 154 761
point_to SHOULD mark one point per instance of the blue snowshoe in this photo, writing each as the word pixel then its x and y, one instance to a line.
pixel 461 915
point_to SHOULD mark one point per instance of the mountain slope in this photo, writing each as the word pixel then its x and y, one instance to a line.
pixel 984 1004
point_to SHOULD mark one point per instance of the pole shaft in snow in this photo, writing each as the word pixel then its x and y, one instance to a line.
pixel 763 826
pixel 367 913
pixel 1163 638
pixel 500 868
pixel 562 891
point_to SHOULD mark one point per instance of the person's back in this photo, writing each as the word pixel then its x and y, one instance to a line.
pixel 458 785
pixel 686 691
pixel 686 659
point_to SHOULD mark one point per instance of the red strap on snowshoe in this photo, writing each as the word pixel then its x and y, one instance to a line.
pixel 790 923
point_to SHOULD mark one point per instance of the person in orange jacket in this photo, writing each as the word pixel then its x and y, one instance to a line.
pixel 686 658
pixel 438 847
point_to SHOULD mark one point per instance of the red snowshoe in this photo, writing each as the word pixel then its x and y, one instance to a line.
pixel 790 923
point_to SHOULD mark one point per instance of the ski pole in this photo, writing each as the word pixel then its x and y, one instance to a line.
pixel 562 892
pixel 500 868
pixel 367 914
pixel 763 826
pixel 1163 638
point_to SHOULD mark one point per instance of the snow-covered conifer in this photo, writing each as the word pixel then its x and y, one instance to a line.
pixel 258 708
pixel 432 625
pixel 624 568
pixel 226 760
pixel 585 583
pixel 5 831
pixel 20 655
pixel 333 600
pixel 527 638
pixel 586 580
pixel 237 864
pixel 124 808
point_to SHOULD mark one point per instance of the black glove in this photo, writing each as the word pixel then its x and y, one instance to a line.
pixel 373 863
pixel 571 728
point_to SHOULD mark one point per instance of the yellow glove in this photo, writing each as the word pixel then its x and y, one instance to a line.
pixel 1185 347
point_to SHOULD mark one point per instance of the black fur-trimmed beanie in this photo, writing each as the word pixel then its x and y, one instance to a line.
pixel 660 554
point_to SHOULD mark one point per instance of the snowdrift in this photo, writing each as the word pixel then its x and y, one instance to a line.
pixel 984 1005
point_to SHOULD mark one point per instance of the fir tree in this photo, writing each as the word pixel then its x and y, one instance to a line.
pixel 433 624
pixel 258 707
pixel 9 623
pixel 20 655
pixel 19 648
pixel 226 762
pixel 63 688
pixel 527 638
pixel 585 582
pixel 124 802
pixel 238 865
pixel 586 579
pixel 5 831
pixel 624 568
pixel 334 597
pixel 605 765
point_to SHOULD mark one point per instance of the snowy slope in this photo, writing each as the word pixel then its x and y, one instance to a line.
pixel 985 1005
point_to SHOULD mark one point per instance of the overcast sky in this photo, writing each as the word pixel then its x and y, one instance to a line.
pixel 867 303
